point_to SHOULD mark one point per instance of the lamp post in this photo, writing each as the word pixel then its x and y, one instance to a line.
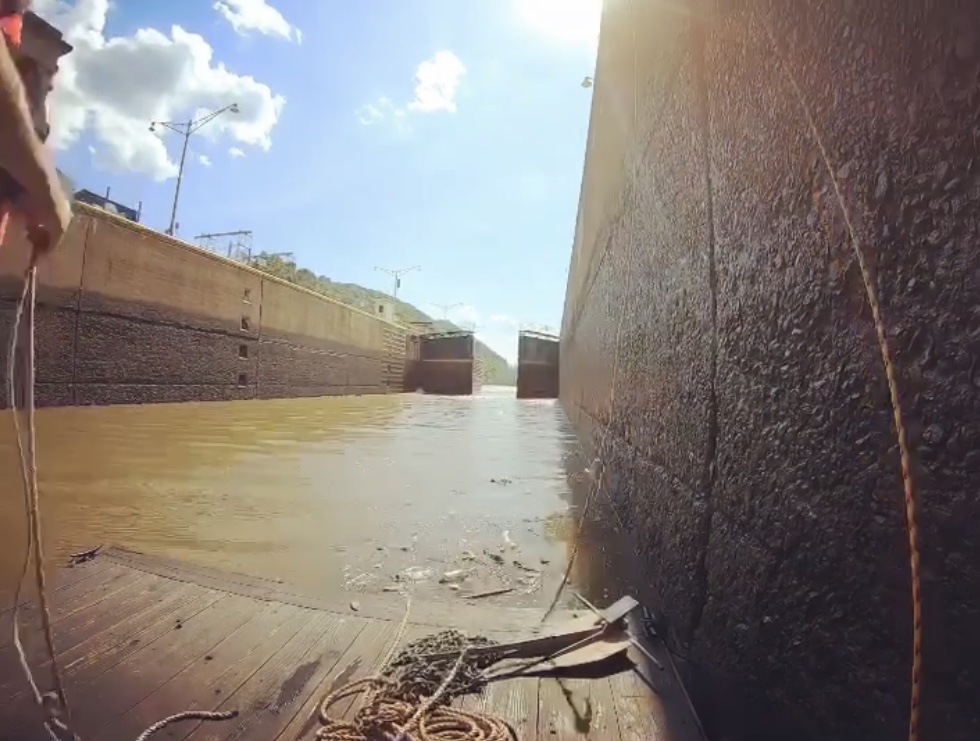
pixel 397 275
pixel 185 129
pixel 446 308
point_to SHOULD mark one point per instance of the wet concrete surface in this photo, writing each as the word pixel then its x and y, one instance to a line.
pixel 445 496
pixel 720 352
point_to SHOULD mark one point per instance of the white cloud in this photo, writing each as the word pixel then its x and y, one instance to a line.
pixel 257 16
pixel 114 86
pixel 204 160
pixel 436 84
pixel 236 152
pixel 381 110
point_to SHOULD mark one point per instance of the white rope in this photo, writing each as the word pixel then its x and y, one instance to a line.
pixel 53 704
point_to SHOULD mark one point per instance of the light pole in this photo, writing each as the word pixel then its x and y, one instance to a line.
pixel 185 129
pixel 535 327
pixel 446 308
pixel 397 275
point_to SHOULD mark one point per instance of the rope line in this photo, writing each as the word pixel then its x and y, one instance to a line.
pixel 54 705
pixel 186 715
pixel 910 498
pixel 387 708
pixel 891 377
pixel 387 716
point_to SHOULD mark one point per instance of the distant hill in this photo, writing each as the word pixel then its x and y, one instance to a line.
pixel 496 371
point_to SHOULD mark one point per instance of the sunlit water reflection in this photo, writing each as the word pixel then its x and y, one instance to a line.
pixel 359 493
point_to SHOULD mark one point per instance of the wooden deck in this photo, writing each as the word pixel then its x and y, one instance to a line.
pixel 139 638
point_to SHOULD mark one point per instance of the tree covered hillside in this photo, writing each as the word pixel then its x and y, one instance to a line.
pixel 495 369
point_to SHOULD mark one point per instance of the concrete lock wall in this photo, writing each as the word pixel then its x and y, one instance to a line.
pixel 750 454
pixel 128 315
pixel 537 366
pixel 446 364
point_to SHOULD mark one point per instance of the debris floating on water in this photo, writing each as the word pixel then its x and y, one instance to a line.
pixel 453 577
pixel 82 556
pixel 417 573
pixel 492 592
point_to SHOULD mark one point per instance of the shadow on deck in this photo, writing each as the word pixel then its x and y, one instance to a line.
pixel 139 638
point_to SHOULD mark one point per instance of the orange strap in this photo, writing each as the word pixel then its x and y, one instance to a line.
pixel 12 25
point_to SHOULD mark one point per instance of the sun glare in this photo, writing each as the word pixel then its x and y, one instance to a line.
pixel 567 21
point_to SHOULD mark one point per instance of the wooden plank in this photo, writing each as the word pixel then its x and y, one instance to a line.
pixel 65 602
pixel 74 661
pixel 78 628
pixel 61 578
pixel 155 663
pixel 104 615
pixel 127 664
pixel 637 720
pixel 88 662
pixel 605 725
pixel 73 625
pixel 516 701
pixel 652 704
pixel 92 658
pixel 69 575
pixel 644 714
pixel 17 706
pixel 565 709
pixel 268 700
pixel 205 683
pixel 361 659
pixel 32 634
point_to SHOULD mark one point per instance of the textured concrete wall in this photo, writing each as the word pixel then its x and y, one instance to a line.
pixel 127 315
pixel 718 349
pixel 537 367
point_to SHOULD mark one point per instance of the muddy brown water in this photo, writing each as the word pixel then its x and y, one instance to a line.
pixel 358 494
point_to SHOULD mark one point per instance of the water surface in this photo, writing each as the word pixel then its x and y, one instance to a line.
pixel 358 493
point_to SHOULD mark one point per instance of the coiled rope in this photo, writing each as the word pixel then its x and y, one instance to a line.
pixel 387 716
pixel 392 710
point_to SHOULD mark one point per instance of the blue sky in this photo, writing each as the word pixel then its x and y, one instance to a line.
pixel 469 167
